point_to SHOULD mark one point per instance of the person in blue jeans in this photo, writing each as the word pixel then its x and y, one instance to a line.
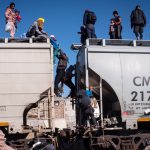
pixel 89 20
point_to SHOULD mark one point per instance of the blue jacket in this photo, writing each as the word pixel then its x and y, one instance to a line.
pixel 56 48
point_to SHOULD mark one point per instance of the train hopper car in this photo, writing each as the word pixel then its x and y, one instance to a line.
pixel 26 77
pixel 118 73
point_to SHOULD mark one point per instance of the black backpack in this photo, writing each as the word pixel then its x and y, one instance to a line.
pixel 91 17
pixel 137 17
pixel 62 63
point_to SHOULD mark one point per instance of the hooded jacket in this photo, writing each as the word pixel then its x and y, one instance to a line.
pixel 138 17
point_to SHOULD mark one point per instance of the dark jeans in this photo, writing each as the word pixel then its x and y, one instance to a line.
pixel 88 114
pixel 33 32
pixel 91 31
pixel 118 30
pixel 70 84
pixel 59 78
pixel 138 30
pixel 84 35
pixel 83 38
pixel 112 35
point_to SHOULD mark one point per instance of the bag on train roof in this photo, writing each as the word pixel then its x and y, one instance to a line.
pixel 7 27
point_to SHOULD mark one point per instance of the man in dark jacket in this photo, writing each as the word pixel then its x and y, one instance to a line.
pixel 87 112
pixel 68 80
pixel 62 65
pixel 89 20
pixel 138 22
pixel 83 34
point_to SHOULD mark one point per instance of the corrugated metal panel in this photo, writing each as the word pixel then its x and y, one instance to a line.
pixel 26 71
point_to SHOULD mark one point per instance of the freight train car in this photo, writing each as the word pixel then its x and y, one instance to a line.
pixel 26 78
pixel 119 74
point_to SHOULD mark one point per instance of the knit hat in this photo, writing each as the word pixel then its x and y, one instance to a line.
pixel 41 19
pixel 53 37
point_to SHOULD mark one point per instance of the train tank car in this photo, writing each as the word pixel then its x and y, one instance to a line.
pixel 119 75
pixel 26 78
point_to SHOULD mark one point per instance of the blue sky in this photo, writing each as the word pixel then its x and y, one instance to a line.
pixel 63 18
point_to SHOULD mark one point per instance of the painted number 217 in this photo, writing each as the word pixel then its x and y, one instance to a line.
pixel 141 94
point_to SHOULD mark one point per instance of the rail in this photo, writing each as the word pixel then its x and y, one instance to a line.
pixel 117 42
pixel 111 42
pixel 24 40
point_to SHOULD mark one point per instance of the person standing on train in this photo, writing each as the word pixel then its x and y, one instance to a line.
pixel 112 29
pixel 89 20
pixel 10 17
pixel 118 25
pixel 138 22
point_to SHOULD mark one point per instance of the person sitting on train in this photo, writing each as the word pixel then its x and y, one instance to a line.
pixel 36 29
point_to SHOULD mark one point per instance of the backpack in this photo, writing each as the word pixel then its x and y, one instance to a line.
pixel 137 17
pixel 91 17
pixel 62 63
pixel 85 102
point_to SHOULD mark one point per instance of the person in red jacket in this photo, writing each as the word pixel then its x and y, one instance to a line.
pixel 18 18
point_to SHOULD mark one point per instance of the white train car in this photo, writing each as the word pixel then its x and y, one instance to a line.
pixel 26 77
pixel 119 74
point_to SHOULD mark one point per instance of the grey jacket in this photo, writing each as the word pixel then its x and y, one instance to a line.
pixel 36 28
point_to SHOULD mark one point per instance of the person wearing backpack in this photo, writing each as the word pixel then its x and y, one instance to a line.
pixel 138 22
pixel 89 20
pixel 117 26
pixel 60 72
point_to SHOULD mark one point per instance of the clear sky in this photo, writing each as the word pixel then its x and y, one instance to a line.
pixel 63 18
